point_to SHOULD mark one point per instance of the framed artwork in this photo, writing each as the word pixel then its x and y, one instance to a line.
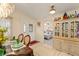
pixel 30 27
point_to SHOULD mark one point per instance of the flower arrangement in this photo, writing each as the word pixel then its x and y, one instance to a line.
pixel 2 36
pixel 3 29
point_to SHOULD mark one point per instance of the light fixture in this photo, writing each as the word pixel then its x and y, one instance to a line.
pixel 6 9
pixel 52 11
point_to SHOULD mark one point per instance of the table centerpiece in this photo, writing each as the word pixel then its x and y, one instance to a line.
pixel 3 38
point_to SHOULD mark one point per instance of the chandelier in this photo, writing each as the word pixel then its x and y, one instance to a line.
pixel 6 9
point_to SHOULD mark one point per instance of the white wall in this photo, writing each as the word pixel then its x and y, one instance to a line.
pixel 39 30
pixel 18 21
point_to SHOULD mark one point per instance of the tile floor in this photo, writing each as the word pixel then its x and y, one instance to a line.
pixel 49 42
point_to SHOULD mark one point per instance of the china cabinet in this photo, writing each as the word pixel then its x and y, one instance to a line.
pixel 67 28
pixel 66 35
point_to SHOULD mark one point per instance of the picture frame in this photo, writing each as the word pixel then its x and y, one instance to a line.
pixel 30 27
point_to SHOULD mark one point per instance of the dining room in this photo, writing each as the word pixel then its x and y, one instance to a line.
pixel 33 29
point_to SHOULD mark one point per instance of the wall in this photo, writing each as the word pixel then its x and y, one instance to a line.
pixel 18 21
pixel 39 30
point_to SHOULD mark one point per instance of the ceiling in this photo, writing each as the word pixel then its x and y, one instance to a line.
pixel 41 10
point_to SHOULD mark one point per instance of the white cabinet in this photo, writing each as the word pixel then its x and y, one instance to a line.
pixel 57 44
pixel 66 36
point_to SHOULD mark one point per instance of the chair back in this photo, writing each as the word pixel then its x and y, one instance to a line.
pixel 27 39
pixel 20 37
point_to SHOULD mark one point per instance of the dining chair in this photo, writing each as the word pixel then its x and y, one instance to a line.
pixel 25 51
pixel 27 39
pixel 21 37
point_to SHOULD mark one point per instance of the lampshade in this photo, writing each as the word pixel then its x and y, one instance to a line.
pixel 6 9
pixel 52 11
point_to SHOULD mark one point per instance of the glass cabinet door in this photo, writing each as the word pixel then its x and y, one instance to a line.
pixel 57 29
pixel 63 29
pixel 72 29
pixel 77 29
pixel 66 29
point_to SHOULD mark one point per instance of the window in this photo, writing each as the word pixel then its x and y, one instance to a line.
pixel 24 28
pixel 6 23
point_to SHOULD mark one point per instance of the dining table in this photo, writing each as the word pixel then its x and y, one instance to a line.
pixel 14 48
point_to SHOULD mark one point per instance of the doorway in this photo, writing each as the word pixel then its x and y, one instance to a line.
pixel 48 33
